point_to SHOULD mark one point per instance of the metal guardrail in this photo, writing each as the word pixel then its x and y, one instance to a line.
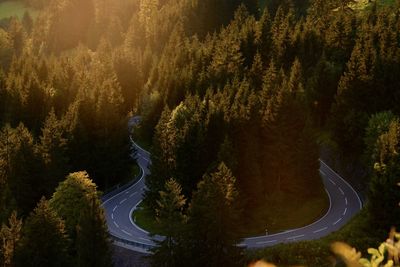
pixel 140 245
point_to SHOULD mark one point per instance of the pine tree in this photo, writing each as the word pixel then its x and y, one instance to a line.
pixel 92 235
pixel 213 221
pixel 53 150
pixel 169 215
pixel 383 194
pixel 9 237
pixel 44 241
pixel 77 201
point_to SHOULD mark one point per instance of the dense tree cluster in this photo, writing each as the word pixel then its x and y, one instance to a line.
pixel 215 81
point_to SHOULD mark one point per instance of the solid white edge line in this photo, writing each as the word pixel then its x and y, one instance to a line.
pixel 265 242
pixel 355 192
pixel 131 220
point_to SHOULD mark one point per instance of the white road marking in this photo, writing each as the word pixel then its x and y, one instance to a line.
pixel 345 199
pixel 127 192
pixel 322 173
pixel 294 237
pixel 133 194
pixel 112 216
pixel 320 230
pixel 127 232
pixel 145 159
pixel 131 219
pixel 145 239
pixel 345 210
pixel 116 206
pixel 337 221
pixel 266 242
pixel 341 191
pixel 116 224
pixel 358 197
pixel 122 201
pixel 332 181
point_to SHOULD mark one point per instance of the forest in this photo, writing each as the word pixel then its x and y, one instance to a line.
pixel 238 101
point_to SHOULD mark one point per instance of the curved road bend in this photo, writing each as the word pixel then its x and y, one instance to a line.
pixel 344 203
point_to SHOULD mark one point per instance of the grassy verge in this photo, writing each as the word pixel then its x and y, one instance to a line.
pixel 14 8
pixel 282 213
pixel 145 220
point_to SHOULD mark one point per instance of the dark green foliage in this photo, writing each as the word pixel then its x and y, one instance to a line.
pixel 213 221
pixel 10 235
pixel 385 179
pixel 170 216
pixel 44 241
pixel 20 168
pixel 77 202
pixel 92 235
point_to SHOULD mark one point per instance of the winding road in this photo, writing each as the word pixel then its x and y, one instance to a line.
pixel 344 203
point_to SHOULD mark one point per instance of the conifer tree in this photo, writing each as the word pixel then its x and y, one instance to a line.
pixel 44 241
pixel 213 221
pixel 170 217
pixel 9 237
pixel 76 200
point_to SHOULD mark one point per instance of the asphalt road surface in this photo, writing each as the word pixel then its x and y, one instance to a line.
pixel 344 203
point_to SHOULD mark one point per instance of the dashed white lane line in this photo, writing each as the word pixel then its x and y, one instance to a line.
pixel 127 233
pixel 294 237
pixel 345 210
pixel 332 181
pixel 133 194
pixel 112 216
pixel 322 172
pixel 116 224
pixel 122 201
pixel 116 206
pixel 127 192
pixel 145 239
pixel 266 242
pixel 341 191
pixel 320 230
pixel 345 200
pixel 337 221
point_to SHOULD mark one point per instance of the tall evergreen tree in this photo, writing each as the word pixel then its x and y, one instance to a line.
pixel 44 241
pixel 76 200
pixel 9 237
pixel 213 221
pixel 170 217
